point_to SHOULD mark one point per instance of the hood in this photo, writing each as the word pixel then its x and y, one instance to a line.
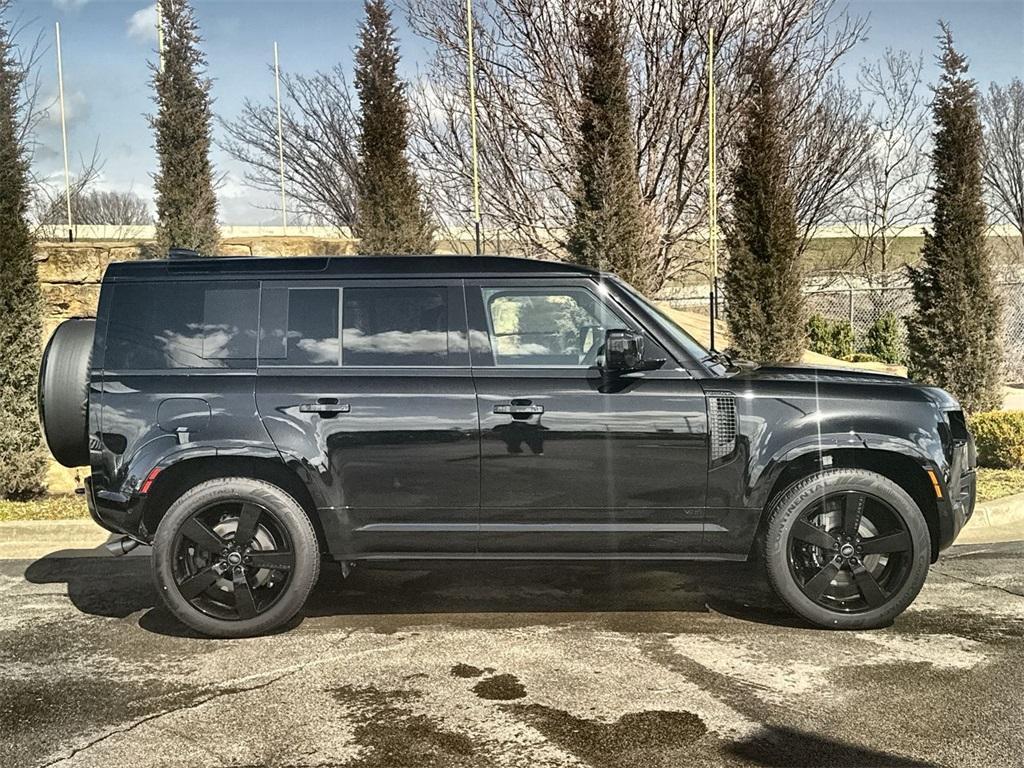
pixel 805 372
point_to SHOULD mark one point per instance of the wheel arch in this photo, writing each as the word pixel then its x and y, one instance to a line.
pixel 174 480
pixel 906 471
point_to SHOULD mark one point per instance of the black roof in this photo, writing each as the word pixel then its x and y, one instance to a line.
pixel 346 266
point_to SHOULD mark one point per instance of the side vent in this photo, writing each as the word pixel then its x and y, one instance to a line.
pixel 722 423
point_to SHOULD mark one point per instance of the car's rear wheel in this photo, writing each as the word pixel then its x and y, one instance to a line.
pixel 847 549
pixel 235 557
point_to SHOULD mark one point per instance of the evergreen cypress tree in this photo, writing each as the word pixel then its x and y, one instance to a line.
pixel 22 461
pixel 612 227
pixel 390 216
pixel 954 335
pixel 765 306
pixel 186 204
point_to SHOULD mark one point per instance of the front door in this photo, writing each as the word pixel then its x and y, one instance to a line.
pixel 366 388
pixel 573 462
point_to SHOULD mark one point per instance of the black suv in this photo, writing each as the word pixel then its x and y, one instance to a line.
pixel 248 416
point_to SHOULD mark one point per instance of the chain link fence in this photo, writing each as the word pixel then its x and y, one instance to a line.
pixel 861 305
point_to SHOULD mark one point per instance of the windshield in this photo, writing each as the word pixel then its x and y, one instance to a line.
pixel 666 323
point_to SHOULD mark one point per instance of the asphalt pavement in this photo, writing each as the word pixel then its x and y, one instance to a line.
pixel 512 665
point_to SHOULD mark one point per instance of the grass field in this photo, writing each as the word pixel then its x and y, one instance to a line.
pixel 829 254
pixel 992 484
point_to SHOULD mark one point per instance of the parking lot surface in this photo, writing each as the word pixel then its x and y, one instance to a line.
pixel 512 665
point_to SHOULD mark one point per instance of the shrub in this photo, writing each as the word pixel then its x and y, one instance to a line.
pixel 21 455
pixel 999 436
pixel 830 337
pixel 883 339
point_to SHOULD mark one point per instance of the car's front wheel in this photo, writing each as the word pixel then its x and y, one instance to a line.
pixel 235 557
pixel 847 549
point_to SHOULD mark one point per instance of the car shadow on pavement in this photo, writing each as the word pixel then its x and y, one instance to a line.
pixel 781 747
pixel 392 596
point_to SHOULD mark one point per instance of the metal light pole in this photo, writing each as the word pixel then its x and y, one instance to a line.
pixel 280 138
pixel 712 190
pixel 64 136
pixel 160 32
pixel 471 66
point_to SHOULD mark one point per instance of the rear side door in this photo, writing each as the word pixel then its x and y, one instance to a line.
pixel 572 462
pixel 365 386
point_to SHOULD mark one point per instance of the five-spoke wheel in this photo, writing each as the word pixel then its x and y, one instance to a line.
pixel 235 557
pixel 847 548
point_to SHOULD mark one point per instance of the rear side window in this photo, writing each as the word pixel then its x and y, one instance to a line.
pixel 394 326
pixel 354 326
pixel 182 324
pixel 300 326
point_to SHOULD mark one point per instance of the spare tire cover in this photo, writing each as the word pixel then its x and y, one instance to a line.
pixel 64 391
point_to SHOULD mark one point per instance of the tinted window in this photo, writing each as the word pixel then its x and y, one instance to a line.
pixel 299 326
pixel 182 325
pixel 395 326
pixel 547 327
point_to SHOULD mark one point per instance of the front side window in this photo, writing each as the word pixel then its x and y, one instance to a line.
pixel 182 324
pixel 554 327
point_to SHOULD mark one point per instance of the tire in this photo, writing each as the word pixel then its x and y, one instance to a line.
pixel 64 391
pixel 235 584
pixel 855 535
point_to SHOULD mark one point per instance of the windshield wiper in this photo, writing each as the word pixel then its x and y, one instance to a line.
pixel 728 361
pixel 719 357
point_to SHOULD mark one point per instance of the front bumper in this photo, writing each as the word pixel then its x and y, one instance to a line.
pixel 961 493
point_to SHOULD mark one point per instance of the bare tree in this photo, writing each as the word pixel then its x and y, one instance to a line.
pixel 49 194
pixel 124 212
pixel 529 102
pixel 1003 115
pixel 319 130
pixel 889 197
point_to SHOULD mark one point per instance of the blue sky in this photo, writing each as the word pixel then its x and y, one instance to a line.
pixel 106 44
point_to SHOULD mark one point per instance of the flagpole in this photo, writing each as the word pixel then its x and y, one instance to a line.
pixel 471 67
pixel 64 135
pixel 280 138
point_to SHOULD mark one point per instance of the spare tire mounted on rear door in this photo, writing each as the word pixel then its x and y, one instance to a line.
pixel 64 391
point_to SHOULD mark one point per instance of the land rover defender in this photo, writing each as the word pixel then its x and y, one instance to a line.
pixel 247 417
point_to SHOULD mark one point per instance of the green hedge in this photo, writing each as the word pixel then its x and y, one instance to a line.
pixel 833 338
pixel 884 339
pixel 999 436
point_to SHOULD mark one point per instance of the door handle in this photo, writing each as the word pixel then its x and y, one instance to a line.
pixel 327 409
pixel 519 409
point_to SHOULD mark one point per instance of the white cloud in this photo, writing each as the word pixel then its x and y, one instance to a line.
pixel 69 4
pixel 76 106
pixel 142 24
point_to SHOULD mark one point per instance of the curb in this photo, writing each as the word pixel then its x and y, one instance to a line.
pixel 995 521
pixel 32 539
pixel 999 512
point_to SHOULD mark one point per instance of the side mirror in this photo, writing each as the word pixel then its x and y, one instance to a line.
pixel 623 351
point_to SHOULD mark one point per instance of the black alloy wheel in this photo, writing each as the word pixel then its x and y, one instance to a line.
pixel 850 552
pixel 235 557
pixel 233 560
pixel 846 548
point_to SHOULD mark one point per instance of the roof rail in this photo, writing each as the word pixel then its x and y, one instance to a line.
pixel 183 253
